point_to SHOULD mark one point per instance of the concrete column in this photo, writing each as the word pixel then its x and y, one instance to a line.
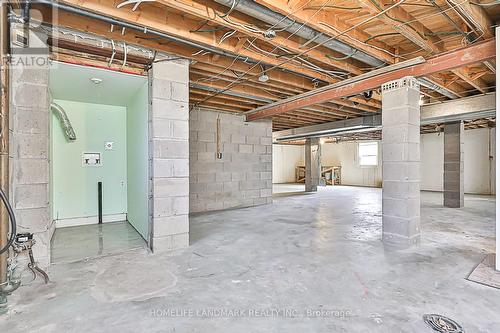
pixel 401 162
pixel 313 164
pixel 29 155
pixel 169 155
pixel 453 181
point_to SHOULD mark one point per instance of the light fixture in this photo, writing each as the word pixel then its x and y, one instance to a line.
pixel 322 141
pixel 263 78
pixel 96 80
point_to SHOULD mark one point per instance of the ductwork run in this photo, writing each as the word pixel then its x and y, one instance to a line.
pixel 279 21
pixel 430 85
pixel 64 121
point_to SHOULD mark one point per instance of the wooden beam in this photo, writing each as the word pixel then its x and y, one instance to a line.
pixel 474 16
pixel 443 62
pixel 329 24
pixel 212 11
pixel 170 23
pixel 417 33
pixel 223 64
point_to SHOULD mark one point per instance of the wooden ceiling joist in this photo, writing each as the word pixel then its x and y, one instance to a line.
pixel 199 31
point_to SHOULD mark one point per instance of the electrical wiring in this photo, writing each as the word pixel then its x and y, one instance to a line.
pixel 254 39
pixel 335 7
pixel 301 61
pixel 260 61
pixel 233 6
pixel 397 20
pixel 401 56
pixel 136 3
pixel 306 51
pixel 226 36
pixel 342 58
pixel 489 4
pixel 343 33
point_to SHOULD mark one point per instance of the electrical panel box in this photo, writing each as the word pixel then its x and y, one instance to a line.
pixel 91 159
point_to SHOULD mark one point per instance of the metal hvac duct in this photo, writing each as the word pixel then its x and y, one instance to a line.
pixel 428 84
pixel 265 14
pixel 280 21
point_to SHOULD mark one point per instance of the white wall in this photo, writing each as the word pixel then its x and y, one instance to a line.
pixel 345 155
pixel 479 169
pixel 479 172
pixel 431 161
pixel 285 159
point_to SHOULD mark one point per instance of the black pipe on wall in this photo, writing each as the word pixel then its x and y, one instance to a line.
pixel 99 201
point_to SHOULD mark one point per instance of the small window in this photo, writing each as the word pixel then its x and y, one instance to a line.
pixel 368 153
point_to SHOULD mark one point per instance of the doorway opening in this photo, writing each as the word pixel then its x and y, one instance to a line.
pixel 99 175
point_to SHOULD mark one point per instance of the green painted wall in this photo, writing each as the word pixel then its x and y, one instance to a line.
pixel 74 187
pixel 137 161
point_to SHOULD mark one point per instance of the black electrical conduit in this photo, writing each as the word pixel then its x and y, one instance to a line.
pixel 12 219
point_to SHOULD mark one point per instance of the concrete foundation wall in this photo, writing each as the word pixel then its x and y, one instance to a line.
pixel 285 159
pixel 29 156
pixel 479 168
pixel 242 177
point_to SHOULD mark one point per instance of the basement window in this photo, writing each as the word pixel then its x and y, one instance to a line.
pixel 368 153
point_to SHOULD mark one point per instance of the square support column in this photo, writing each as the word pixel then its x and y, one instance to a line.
pixel 169 155
pixel 29 155
pixel 313 164
pixel 453 181
pixel 401 162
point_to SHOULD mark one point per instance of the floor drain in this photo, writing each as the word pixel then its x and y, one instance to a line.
pixel 442 324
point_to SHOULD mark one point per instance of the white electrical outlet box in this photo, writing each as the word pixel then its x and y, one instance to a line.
pixel 91 159
pixel 109 145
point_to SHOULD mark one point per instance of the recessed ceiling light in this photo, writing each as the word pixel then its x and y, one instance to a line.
pixel 263 78
pixel 96 80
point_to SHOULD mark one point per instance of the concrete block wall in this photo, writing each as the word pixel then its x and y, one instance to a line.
pixel 243 176
pixel 169 155
pixel 29 155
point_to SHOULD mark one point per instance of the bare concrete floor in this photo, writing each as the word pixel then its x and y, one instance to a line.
pixel 304 253
pixel 91 241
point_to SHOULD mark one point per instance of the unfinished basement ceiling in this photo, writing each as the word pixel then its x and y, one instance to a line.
pixel 81 84
pixel 231 48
